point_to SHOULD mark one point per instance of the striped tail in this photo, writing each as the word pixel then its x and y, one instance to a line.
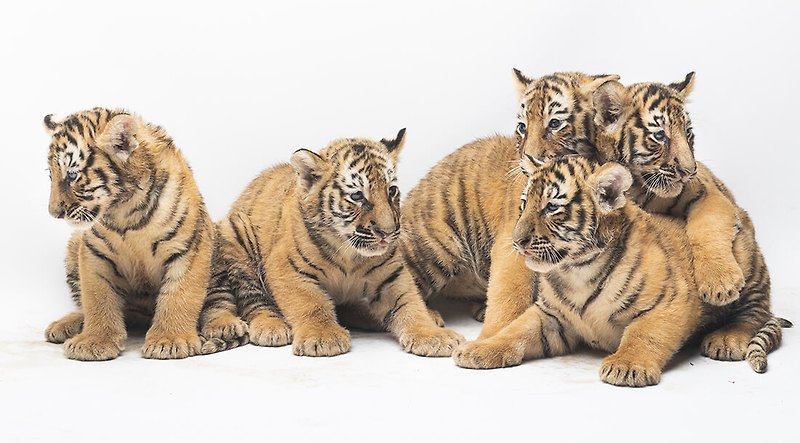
pixel 214 345
pixel 766 339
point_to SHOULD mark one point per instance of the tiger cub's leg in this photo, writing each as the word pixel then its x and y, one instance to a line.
pixel 711 227
pixel 309 311
pixel 511 288
pixel 103 334
pixel 534 334
pixel 650 341
pixel 400 307
pixel 173 333
pixel 71 324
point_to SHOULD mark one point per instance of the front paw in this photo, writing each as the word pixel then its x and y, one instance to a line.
pixel 225 326
pixel 719 285
pixel 437 317
pixel 430 341
pixel 89 347
pixel 170 346
pixel 321 341
pixel 478 311
pixel 63 329
pixel 622 371
pixel 267 330
pixel 490 353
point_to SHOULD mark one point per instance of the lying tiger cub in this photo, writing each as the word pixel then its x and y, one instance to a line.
pixel 307 236
pixel 608 274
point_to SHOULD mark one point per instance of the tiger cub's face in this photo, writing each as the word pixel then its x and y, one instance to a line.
pixel 648 129
pixel 561 209
pixel 556 117
pixel 350 190
pixel 86 162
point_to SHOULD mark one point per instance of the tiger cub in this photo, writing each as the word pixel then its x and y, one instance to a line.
pixel 143 249
pixel 316 233
pixel 646 127
pixel 457 221
pixel 608 275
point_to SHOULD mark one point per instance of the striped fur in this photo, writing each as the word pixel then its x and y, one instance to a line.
pixel 143 250
pixel 608 275
pixel 457 221
pixel 319 233
pixel 647 128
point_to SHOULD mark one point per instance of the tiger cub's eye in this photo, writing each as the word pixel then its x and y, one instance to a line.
pixel 521 128
pixel 394 191
pixel 554 123
pixel 551 208
pixel 71 176
pixel 357 196
pixel 660 135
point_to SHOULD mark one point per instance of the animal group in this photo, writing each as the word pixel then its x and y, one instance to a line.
pixel 593 226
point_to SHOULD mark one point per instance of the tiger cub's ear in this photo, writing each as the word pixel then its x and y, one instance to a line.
pixel 609 184
pixel 684 87
pixel 50 123
pixel 592 82
pixel 609 100
pixel 309 167
pixel 396 145
pixel 521 81
pixel 119 136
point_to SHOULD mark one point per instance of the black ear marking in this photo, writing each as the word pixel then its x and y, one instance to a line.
pixel 392 145
pixel 522 78
pixel 359 148
pixel 49 123
pixel 684 87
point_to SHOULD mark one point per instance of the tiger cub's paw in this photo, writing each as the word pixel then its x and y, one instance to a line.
pixel 269 330
pixel 89 347
pixel 430 341
pixel 622 371
pixel 719 284
pixel 224 326
pixel 437 317
pixel 318 341
pixel 489 353
pixel 65 328
pixel 725 345
pixel 478 311
pixel 167 347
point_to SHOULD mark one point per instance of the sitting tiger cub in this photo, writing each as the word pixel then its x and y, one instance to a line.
pixel 608 274
pixel 144 249
pixel 646 127
pixel 317 233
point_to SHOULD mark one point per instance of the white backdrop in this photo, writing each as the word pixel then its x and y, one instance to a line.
pixel 241 85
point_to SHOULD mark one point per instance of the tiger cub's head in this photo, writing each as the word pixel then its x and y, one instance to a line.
pixel 87 162
pixel 565 211
pixel 556 117
pixel 350 190
pixel 646 127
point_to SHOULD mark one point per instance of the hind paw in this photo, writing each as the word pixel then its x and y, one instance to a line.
pixel 724 345
pixel 225 326
pixel 65 328
pixel 478 311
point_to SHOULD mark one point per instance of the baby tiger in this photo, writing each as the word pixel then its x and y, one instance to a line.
pixel 143 248
pixel 457 221
pixel 316 233
pixel 608 275
pixel 646 127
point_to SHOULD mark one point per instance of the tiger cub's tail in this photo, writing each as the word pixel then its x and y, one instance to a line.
pixel 766 339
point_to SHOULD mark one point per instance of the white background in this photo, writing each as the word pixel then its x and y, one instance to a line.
pixel 240 86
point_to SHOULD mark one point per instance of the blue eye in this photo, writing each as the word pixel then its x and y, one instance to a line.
pixel 660 135
pixel 71 176
pixel 551 208
pixel 394 191
pixel 521 128
pixel 554 123
pixel 357 196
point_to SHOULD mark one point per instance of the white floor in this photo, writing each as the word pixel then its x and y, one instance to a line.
pixel 378 393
